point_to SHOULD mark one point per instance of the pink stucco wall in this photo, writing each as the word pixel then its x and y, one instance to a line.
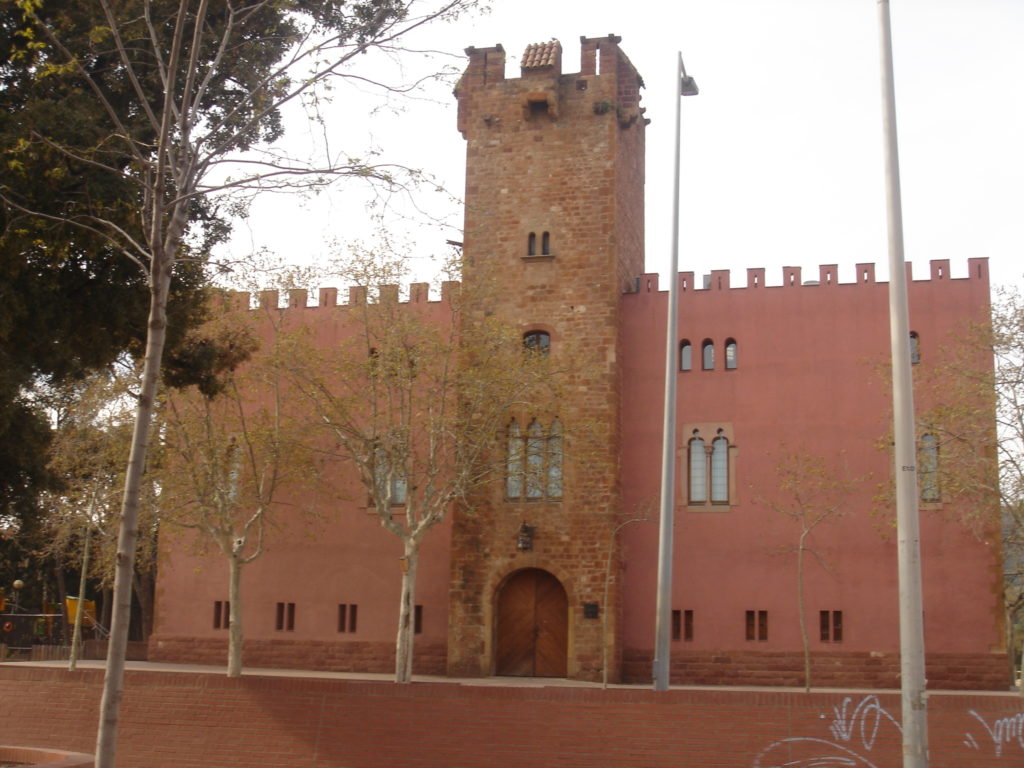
pixel 810 380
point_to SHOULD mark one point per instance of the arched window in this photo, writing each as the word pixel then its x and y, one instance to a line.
pixel 720 469
pixel 538 341
pixel 685 355
pixel 710 466
pixel 554 461
pixel 545 244
pixel 929 469
pixel 534 462
pixel 731 361
pixel 915 348
pixel 514 470
pixel 389 482
pixel 707 355
pixel 531 244
pixel 698 470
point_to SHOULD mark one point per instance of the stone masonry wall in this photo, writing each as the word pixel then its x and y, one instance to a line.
pixel 562 155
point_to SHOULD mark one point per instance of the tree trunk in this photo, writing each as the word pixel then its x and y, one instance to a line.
pixel 235 617
pixel 800 607
pixel 143 584
pixel 403 647
pixel 76 637
pixel 62 599
pixel 128 533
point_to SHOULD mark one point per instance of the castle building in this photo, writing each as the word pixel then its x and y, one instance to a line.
pixel 783 411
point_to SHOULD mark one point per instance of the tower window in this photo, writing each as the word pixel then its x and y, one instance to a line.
pixel 545 244
pixel 538 108
pixel 537 341
pixel 534 462
pixel 531 244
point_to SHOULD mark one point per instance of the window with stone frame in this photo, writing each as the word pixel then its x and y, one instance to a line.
pixel 534 462
pixel 388 482
pixel 710 466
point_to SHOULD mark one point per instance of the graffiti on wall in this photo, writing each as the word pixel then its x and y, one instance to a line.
pixel 856 730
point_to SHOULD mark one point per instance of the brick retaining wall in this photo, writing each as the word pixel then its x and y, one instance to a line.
pixel 206 721
pixel 945 671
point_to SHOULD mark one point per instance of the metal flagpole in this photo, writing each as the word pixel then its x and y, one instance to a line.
pixel 663 610
pixel 912 680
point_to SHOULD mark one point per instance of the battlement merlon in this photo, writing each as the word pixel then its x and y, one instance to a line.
pixel 327 298
pixel 864 274
pixel 541 80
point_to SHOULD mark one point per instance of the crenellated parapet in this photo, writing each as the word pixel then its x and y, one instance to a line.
pixel 327 298
pixel 792 277
pixel 607 85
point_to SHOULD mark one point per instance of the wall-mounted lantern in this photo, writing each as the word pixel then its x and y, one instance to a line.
pixel 524 539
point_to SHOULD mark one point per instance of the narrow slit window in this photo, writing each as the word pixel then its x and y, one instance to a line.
pixel 915 348
pixel 677 624
pixel 290 622
pixel 417 620
pixel 221 614
pixel 731 360
pixel 545 244
pixel 688 625
pixel 531 244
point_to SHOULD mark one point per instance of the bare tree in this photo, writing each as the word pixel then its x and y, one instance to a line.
pixel 811 492
pixel 183 88
pixel 93 421
pixel 971 436
pixel 234 456
pixel 417 400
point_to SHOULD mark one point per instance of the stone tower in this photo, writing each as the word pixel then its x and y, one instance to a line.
pixel 554 211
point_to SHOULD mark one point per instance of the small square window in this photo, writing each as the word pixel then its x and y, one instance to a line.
pixel 348 614
pixel 831 626
pixel 757 625
pixel 284 619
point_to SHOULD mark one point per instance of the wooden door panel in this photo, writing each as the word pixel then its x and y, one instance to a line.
pixel 532 626
pixel 552 612
pixel 516 623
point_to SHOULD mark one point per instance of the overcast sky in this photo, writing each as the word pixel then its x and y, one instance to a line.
pixel 782 150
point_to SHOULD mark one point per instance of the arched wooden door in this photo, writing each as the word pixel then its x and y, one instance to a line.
pixel 533 626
